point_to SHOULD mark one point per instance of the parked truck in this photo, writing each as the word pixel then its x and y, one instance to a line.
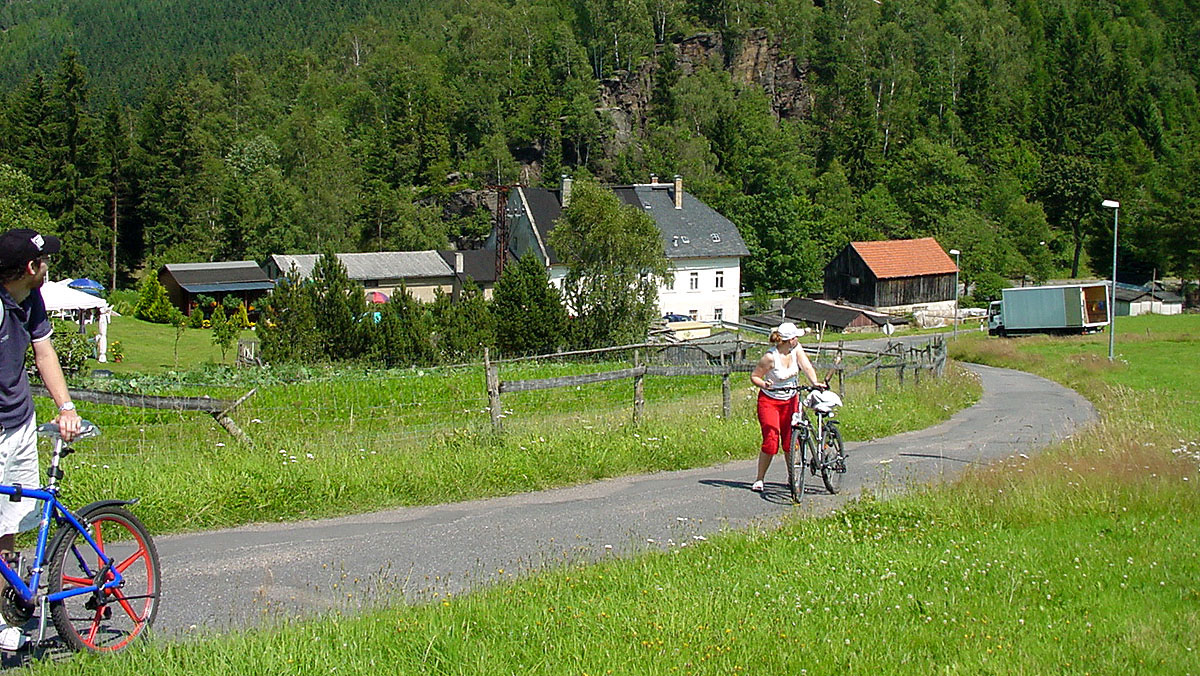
pixel 1064 309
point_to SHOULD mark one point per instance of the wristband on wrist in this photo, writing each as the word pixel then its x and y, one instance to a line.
pixel 67 406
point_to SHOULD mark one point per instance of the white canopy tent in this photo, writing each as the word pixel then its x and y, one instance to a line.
pixel 62 299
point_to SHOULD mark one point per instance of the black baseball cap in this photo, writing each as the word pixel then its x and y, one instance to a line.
pixel 22 245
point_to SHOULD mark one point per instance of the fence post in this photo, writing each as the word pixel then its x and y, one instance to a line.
pixel 492 376
pixel 639 389
pixel 901 369
pixel 726 391
pixel 837 362
pixel 878 368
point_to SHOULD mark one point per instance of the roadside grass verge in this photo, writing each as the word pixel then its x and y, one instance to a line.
pixel 360 442
pixel 1082 559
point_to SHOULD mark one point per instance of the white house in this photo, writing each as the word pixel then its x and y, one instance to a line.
pixel 703 247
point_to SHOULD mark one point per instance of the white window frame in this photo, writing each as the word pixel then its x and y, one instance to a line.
pixel 694 281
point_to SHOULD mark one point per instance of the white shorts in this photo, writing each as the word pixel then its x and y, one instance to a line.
pixel 19 465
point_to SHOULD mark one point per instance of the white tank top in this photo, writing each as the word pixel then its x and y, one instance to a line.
pixel 781 374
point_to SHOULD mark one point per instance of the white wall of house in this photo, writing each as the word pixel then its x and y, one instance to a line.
pixel 704 288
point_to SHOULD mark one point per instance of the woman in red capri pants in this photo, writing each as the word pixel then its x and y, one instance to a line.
pixel 779 368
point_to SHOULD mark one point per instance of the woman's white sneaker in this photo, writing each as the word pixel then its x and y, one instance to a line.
pixel 757 487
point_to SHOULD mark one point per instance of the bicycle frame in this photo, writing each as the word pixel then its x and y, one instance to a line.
pixel 63 516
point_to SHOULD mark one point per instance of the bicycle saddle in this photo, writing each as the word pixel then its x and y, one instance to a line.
pixel 86 429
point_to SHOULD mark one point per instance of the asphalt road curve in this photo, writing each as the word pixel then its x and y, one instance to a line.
pixel 221 581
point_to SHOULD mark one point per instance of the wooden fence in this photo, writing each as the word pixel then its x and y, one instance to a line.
pixel 217 408
pixel 903 360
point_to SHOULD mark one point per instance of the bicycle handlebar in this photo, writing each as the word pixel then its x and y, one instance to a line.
pixel 86 429
pixel 794 388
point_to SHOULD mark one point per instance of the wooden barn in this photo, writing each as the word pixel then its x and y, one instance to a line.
pixel 892 276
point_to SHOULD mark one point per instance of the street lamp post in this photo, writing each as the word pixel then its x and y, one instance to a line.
pixel 955 253
pixel 1112 300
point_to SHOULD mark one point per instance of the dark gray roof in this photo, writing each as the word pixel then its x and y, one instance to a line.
pixel 1129 294
pixel 695 231
pixel 188 274
pixel 813 312
pixel 373 265
pixel 224 287
pixel 546 208
pixel 478 264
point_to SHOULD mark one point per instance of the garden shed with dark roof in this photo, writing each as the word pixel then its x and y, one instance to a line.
pixel 185 281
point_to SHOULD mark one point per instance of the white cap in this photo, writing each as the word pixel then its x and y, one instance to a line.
pixel 787 331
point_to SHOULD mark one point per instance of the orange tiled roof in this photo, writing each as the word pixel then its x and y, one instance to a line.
pixel 905 257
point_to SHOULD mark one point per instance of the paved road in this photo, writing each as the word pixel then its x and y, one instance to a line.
pixel 224 580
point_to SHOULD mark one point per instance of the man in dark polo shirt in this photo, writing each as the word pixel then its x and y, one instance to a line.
pixel 24 260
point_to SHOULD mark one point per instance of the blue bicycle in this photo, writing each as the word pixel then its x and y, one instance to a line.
pixel 97 579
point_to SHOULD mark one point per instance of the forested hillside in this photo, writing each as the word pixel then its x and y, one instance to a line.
pixel 221 130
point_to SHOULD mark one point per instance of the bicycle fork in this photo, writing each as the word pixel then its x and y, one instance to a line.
pixel 799 463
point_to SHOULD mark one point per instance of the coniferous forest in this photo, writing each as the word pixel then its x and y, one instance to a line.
pixel 152 131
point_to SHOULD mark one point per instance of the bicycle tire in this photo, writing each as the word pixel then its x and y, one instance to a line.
pixel 789 457
pixel 808 462
pixel 833 460
pixel 109 621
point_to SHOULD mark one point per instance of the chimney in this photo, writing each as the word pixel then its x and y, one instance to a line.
pixel 566 191
pixel 458 263
pixel 653 179
pixel 678 191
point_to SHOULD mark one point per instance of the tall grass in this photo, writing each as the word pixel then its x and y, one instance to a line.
pixel 1083 559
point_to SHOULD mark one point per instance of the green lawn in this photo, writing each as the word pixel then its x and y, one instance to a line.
pixel 151 348
pixel 1083 559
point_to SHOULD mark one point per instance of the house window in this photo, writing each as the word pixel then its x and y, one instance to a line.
pixel 694 314
pixel 694 281
pixel 719 282
pixel 718 314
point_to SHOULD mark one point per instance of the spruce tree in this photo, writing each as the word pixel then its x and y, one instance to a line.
pixel 528 309
pixel 287 326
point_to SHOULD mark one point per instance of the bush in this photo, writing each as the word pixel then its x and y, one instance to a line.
pixel 153 304
pixel 73 348
pixel 988 286
pixel 123 301
pixel 196 318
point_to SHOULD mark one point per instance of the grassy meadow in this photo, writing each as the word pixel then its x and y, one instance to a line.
pixel 363 441
pixel 1083 559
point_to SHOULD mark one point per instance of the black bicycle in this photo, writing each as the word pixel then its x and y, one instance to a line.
pixel 821 448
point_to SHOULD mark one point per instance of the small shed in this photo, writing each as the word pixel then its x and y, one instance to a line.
pixel 894 276
pixel 834 317
pixel 184 281
pixel 1141 300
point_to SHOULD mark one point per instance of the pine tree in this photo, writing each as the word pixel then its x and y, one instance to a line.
pixel 464 326
pixel 287 327
pixel 528 309
pixel 72 191
pixel 340 306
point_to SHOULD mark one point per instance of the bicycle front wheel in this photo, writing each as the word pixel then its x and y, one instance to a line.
pixel 792 457
pixel 108 620
pixel 808 460
pixel 833 460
